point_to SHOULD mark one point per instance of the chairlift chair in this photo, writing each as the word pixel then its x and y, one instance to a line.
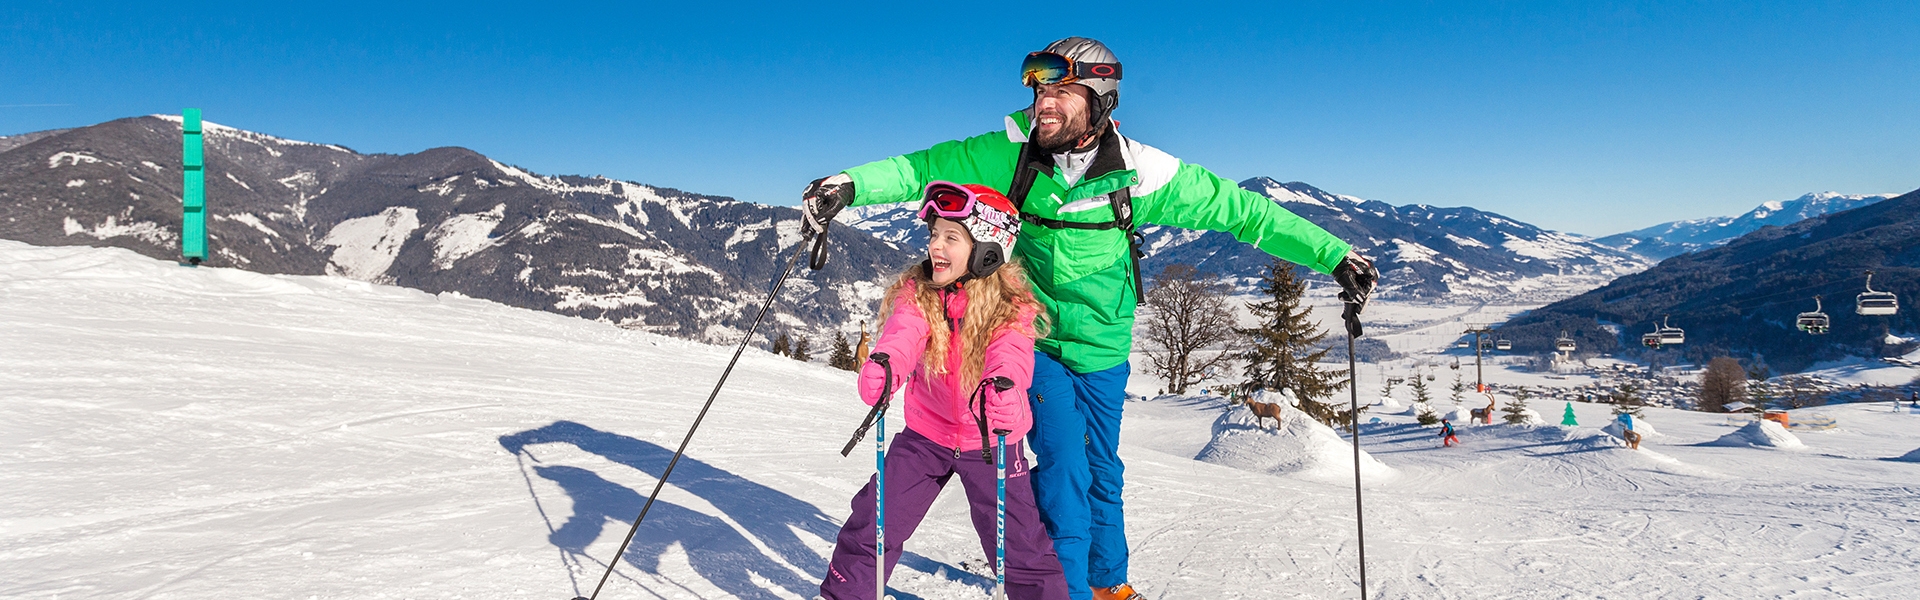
pixel 1877 304
pixel 1670 335
pixel 1651 340
pixel 1503 345
pixel 1486 344
pixel 1816 322
pixel 1564 344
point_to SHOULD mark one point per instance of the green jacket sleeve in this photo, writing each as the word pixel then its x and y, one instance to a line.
pixel 1195 198
pixel 985 159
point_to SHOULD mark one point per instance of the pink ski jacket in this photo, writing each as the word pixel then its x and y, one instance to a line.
pixel 936 406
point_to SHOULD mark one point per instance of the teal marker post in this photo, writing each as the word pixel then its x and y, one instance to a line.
pixel 193 190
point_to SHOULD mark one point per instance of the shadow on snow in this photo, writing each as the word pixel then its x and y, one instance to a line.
pixel 715 549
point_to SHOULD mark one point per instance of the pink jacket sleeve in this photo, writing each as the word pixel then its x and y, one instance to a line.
pixel 903 338
pixel 1010 355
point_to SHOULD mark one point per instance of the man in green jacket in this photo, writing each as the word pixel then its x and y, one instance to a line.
pixel 1082 188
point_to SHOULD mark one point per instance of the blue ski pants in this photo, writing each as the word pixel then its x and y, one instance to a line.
pixel 1076 437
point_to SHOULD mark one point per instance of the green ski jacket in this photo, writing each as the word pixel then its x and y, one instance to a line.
pixel 1085 277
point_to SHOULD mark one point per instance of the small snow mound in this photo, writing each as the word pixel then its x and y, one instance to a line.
pixel 1528 417
pixel 1300 445
pixel 1760 434
pixel 1640 426
pixel 1461 414
pixel 1387 405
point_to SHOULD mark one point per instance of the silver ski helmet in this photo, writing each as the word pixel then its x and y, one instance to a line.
pixel 1078 60
pixel 989 217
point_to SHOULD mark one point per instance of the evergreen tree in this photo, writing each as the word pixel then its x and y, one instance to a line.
pixel 1422 409
pixel 1386 391
pixel 1626 400
pixel 1459 387
pixel 842 356
pixel 1516 411
pixel 801 352
pixel 1282 355
pixel 1760 394
pixel 1424 414
pixel 781 344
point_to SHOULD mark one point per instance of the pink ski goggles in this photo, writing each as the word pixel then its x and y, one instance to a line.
pixel 948 200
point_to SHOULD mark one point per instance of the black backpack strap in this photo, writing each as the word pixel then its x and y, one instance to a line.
pixel 1122 202
pixel 1059 224
pixel 1025 170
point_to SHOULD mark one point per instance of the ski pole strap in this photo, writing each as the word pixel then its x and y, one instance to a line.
pixel 1352 316
pixel 818 256
pixel 980 395
pixel 879 408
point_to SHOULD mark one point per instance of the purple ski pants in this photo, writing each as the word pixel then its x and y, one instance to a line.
pixel 917 469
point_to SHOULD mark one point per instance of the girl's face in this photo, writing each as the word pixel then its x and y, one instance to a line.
pixel 949 249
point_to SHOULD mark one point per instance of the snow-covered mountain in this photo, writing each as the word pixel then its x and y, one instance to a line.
pixel 441 220
pixel 1680 237
pixel 1422 251
pixel 1741 298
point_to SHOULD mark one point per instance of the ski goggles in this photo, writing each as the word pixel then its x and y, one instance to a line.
pixel 948 200
pixel 1047 68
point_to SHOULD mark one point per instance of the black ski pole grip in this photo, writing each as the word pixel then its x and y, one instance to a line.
pixel 1001 383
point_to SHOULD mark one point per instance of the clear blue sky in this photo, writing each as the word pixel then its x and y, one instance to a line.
pixel 1590 117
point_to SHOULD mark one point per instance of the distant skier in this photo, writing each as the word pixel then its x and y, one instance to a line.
pixel 1447 439
pixel 958 319
pixel 1084 188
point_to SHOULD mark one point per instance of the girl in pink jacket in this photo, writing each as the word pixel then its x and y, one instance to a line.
pixel 953 323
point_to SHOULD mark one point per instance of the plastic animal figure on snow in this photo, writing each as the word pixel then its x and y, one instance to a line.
pixel 1262 410
pixel 1627 432
pixel 1484 415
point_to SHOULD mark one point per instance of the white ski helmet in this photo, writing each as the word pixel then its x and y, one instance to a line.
pixel 1088 63
pixel 989 217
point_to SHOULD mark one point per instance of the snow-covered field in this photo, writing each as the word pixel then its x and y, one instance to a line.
pixel 209 433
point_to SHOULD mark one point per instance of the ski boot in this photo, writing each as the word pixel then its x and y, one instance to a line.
pixel 1118 592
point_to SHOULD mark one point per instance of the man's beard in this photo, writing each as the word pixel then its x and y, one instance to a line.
pixel 1064 138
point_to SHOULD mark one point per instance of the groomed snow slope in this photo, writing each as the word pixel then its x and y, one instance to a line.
pixel 210 433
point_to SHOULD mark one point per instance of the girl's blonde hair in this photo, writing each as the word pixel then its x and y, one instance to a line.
pixel 994 302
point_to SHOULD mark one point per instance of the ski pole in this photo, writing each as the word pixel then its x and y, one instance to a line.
pixel 1000 518
pixel 880 476
pixel 785 271
pixel 1352 316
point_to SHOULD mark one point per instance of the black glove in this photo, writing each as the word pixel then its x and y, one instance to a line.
pixel 824 198
pixel 1356 276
